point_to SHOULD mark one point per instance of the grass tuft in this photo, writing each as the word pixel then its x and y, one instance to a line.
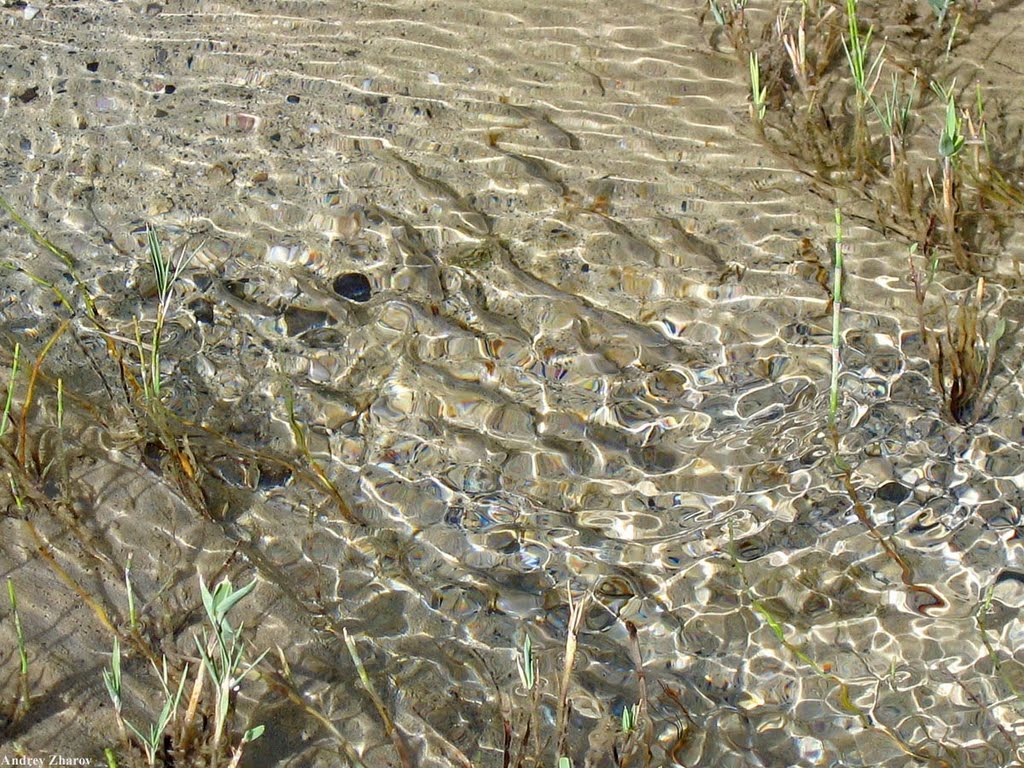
pixel 221 657
pixel 221 654
pixel 168 272
pixel 864 70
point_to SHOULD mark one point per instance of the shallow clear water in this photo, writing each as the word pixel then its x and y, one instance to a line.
pixel 545 312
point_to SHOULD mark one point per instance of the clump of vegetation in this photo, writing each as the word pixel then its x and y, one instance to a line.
pixel 192 723
pixel 167 273
pixel 969 350
pixel 834 98
pixel 172 736
pixel 854 122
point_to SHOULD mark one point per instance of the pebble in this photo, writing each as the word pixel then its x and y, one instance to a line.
pixel 284 254
pixel 219 175
pixel 353 286
pixel 242 122
pixel 157 205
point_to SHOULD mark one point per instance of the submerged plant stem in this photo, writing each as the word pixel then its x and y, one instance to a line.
pixel 397 737
pixel 837 304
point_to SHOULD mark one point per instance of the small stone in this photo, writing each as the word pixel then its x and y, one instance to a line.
pixel 202 310
pixel 158 205
pixel 348 225
pixel 285 254
pixel 219 175
pixel 318 373
pixel 242 122
pixel 273 476
pixel 353 286
pixel 298 320
pixel 30 12
pixel 893 492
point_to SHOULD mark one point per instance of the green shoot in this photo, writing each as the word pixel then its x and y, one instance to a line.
pixel 564 762
pixel 224 663
pixel 108 753
pixel 112 681
pixel 865 74
pixel 527 665
pixel 250 735
pixel 982 130
pixel 60 403
pixel 776 626
pixel 952 138
pixel 837 303
pixel 952 35
pixel 951 142
pixel 19 500
pixel 9 402
pixel 982 612
pixel 896 109
pixel 60 253
pixel 630 716
pixel 758 93
pixel 941 8
pixel 112 678
pixel 167 273
pixel 153 740
pixel 717 12
pixel 223 598
pixel 721 15
pixel 221 656
pixel 12 596
pixel 22 653
pixel 364 676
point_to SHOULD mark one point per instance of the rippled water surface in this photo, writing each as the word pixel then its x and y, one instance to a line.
pixel 492 301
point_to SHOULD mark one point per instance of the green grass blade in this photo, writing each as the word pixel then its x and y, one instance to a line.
pixel 9 402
